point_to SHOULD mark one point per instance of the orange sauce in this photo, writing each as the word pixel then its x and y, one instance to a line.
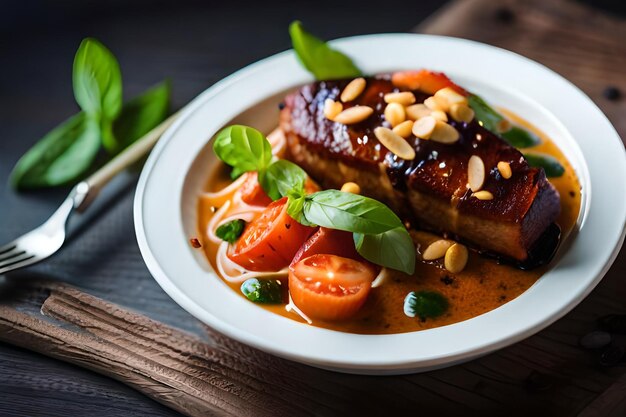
pixel 482 286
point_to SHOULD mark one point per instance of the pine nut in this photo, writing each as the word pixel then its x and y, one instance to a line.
pixel 461 113
pixel 395 114
pixel 483 195
pixel 354 115
pixel 417 111
pixel 446 97
pixel 505 169
pixel 456 258
pixel 439 115
pixel 332 108
pixel 353 89
pixel 404 129
pixel 351 187
pixel 503 126
pixel 475 173
pixel 405 98
pixel 444 133
pixel 437 249
pixel 395 143
pixel 432 104
pixel 424 127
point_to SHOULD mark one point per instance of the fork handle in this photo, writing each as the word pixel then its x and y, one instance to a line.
pixel 85 191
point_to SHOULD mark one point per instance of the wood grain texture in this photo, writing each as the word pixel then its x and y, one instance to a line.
pixel 547 374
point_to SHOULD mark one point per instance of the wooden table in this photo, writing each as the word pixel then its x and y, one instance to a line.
pixel 200 372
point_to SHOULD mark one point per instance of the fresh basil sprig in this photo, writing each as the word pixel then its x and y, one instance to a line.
pixel 394 247
pixel 282 178
pixel 68 151
pixel 490 118
pixel 97 82
pixel 349 212
pixel 320 59
pixel 550 165
pixel 243 148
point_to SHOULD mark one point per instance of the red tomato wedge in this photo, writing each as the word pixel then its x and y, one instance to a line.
pixel 269 242
pixel 328 241
pixel 427 81
pixel 330 287
pixel 252 193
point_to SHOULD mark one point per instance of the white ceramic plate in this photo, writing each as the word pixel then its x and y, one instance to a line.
pixel 166 200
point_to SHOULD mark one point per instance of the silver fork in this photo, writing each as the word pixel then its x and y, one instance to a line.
pixel 44 241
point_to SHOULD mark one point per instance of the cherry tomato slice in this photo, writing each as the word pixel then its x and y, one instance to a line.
pixel 328 241
pixel 330 287
pixel 269 242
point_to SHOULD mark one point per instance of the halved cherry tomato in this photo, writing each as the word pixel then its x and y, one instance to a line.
pixel 269 242
pixel 252 193
pixel 330 287
pixel 427 81
pixel 328 241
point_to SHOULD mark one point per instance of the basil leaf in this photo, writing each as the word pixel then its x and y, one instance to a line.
pixel 61 156
pixel 268 291
pixel 317 57
pixel 142 114
pixel 425 304
pixel 350 212
pixel 295 205
pixel 231 231
pixel 520 138
pixel 282 177
pixel 243 148
pixel 97 82
pixel 394 249
pixel 490 118
pixel 550 165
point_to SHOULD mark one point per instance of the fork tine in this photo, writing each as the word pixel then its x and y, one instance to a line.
pixel 11 254
pixel 17 262
pixel 7 247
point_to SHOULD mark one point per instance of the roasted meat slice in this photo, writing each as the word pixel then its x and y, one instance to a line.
pixel 431 189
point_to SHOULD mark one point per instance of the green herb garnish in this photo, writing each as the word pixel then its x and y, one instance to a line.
pixel 68 151
pixel 231 231
pixel 425 304
pixel 320 59
pixel 281 178
pixel 550 165
pixel 490 118
pixel 267 291
pixel 379 235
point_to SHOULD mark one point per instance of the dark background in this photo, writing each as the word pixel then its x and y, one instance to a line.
pixel 195 44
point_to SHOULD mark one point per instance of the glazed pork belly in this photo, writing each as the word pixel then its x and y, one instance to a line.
pixel 431 190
